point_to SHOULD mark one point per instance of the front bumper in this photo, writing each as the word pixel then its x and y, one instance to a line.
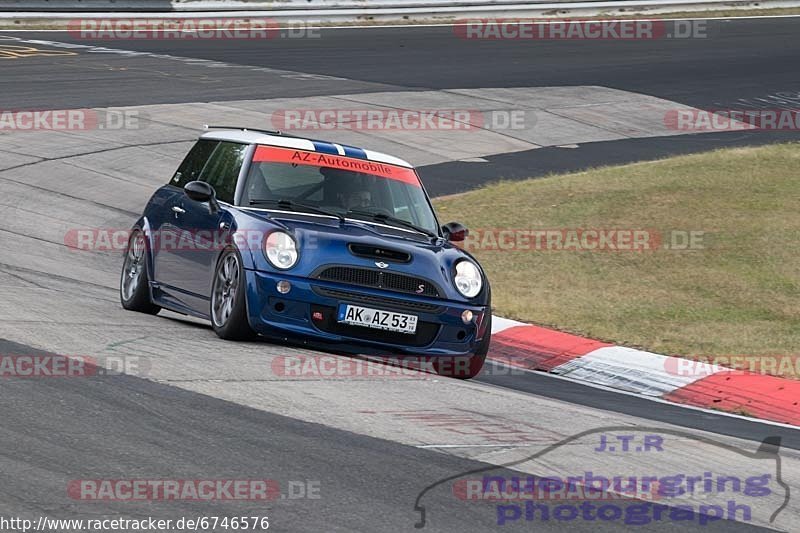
pixel 307 314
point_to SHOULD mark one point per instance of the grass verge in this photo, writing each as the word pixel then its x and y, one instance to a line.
pixel 735 292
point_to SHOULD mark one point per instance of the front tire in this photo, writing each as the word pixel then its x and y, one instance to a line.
pixel 228 298
pixel 134 284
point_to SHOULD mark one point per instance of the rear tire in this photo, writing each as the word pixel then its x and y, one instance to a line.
pixel 468 366
pixel 134 284
pixel 228 299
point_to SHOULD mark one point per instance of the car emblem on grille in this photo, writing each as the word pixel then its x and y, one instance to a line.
pixel 381 264
pixel 420 289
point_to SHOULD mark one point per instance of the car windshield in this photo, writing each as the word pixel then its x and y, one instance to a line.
pixel 356 188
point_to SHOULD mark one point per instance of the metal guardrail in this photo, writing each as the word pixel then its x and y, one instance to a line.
pixel 237 5
pixel 23 12
pixel 154 6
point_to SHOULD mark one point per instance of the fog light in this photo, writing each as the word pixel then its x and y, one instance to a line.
pixel 466 316
pixel 283 286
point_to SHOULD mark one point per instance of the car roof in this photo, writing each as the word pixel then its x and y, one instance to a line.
pixel 300 143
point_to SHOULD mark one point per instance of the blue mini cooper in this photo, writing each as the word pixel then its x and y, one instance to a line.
pixel 312 242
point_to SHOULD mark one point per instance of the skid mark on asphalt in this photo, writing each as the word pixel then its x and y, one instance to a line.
pixel 6 279
pixel 54 277
pixel 94 152
pixel 495 430
pixel 779 100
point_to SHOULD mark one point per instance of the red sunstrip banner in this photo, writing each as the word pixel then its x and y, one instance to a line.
pixel 317 159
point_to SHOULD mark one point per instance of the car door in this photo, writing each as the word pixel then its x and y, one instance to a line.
pixel 167 222
pixel 203 227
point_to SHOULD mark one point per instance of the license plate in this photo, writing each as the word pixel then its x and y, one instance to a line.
pixel 376 319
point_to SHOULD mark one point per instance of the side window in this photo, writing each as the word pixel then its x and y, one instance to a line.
pixel 193 164
pixel 222 171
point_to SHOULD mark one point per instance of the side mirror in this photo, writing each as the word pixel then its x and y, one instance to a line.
pixel 455 231
pixel 200 191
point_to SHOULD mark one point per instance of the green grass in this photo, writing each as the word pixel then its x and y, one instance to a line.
pixel 738 295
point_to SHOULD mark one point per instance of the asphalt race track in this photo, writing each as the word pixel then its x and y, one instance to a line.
pixel 739 64
pixel 361 448
pixel 738 59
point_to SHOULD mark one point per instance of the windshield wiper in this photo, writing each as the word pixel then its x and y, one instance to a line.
pixel 288 204
pixel 383 217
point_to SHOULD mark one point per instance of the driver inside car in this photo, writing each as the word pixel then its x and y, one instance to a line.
pixel 356 200
pixel 350 190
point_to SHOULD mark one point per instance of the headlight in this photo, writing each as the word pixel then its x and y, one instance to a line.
pixel 281 250
pixel 468 279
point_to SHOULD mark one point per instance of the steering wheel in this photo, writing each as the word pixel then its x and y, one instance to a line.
pixel 381 211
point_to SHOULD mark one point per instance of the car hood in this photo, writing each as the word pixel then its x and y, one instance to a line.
pixel 325 242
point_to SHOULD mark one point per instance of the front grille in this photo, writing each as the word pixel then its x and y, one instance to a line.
pixel 381 302
pixel 379 279
pixel 374 252
pixel 426 331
